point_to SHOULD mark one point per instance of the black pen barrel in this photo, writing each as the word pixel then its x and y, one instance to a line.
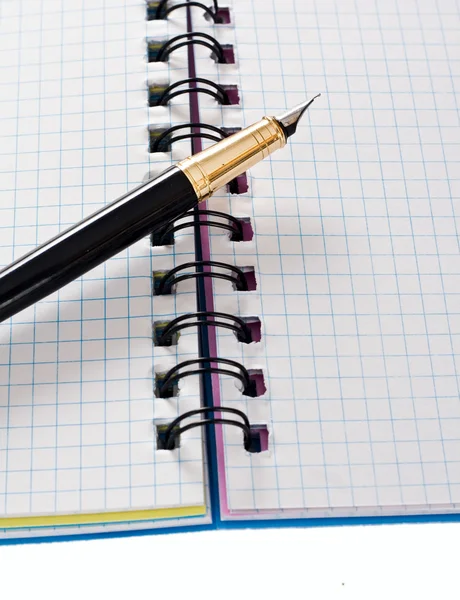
pixel 94 240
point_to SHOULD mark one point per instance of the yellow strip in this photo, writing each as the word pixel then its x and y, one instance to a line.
pixel 105 517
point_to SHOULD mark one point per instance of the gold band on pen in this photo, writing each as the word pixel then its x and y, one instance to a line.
pixel 218 165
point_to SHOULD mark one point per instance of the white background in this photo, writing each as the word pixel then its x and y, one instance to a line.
pixel 372 562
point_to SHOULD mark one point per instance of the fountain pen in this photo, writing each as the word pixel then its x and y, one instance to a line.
pixel 136 214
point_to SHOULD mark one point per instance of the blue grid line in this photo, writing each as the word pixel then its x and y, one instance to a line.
pixel 125 18
pixel 61 90
pixel 317 390
pixel 10 326
pixel 83 73
pixel 441 274
pixel 105 281
pixel 402 321
pixel 376 295
pixel 334 332
pixel 269 419
pixel 31 482
pixel 303 486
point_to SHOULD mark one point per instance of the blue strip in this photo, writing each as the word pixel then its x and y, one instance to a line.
pixel 107 535
pixel 240 524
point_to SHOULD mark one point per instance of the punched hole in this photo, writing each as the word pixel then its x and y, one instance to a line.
pixel 154 134
pixel 222 16
pixel 172 390
pixel 239 185
pixel 258 439
pixel 255 327
pixel 152 6
pixel 157 277
pixel 153 48
pixel 155 92
pixel 256 387
pixel 228 55
pixel 160 238
pixel 161 438
pixel 250 276
pixel 232 94
pixel 248 232
pixel 158 329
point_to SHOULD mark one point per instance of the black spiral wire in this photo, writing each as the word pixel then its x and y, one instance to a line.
pixel 165 283
pixel 174 430
pixel 164 235
pixel 162 11
pixel 204 319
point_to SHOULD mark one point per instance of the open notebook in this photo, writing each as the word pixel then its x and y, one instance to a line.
pixel 347 342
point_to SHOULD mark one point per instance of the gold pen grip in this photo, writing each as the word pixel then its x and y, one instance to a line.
pixel 216 166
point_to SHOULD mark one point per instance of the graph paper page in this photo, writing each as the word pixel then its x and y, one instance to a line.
pixel 78 413
pixel 356 257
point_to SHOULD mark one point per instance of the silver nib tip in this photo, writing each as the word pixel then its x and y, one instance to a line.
pixel 290 119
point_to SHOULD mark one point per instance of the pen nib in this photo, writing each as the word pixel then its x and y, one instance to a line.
pixel 290 118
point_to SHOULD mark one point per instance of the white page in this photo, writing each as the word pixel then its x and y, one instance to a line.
pixel 356 255
pixel 77 408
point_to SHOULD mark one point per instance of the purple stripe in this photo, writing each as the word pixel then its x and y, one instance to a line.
pixel 209 299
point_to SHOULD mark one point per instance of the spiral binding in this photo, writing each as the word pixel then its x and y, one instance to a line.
pixel 165 235
pixel 164 283
pixel 162 11
pixel 166 382
pixel 220 94
pixel 166 333
pixel 157 144
pixel 172 431
pixel 162 53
